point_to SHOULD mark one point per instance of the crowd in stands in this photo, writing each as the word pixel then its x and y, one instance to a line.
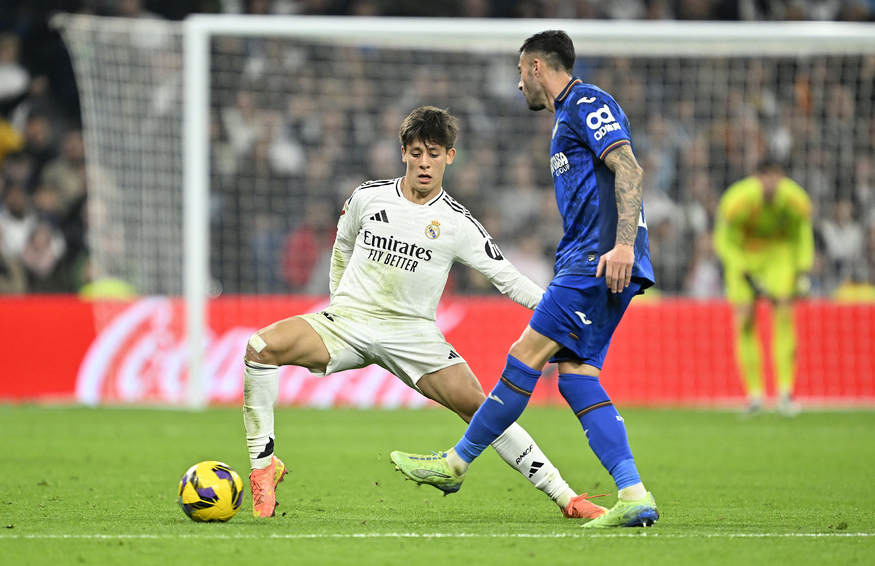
pixel 298 147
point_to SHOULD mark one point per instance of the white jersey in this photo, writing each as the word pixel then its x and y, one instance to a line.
pixel 392 257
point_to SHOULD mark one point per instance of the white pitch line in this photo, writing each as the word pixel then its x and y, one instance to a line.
pixel 439 535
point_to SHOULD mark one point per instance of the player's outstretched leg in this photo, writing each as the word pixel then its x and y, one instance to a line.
pixel 502 408
pixel 522 453
pixel 432 470
pixel 640 513
pixel 263 484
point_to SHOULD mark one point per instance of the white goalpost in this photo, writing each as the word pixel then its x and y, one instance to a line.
pixel 210 141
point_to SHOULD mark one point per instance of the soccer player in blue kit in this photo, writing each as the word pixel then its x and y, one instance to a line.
pixel 602 261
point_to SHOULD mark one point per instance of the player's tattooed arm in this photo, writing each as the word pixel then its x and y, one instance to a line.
pixel 628 188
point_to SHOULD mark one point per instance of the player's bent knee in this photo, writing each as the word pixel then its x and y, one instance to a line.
pixel 257 350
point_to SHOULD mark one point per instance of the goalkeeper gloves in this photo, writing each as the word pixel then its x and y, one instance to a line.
pixel 803 285
pixel 758 289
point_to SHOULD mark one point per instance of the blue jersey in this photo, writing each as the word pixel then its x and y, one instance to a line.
pixel 589 124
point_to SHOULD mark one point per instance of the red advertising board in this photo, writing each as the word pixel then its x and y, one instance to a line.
pixel 43 341
pixel 667 352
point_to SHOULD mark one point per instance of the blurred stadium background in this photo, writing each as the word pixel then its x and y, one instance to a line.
pixel 93 216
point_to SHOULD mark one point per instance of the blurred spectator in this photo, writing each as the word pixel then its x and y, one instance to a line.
pixel 822 10
pixel 44 249
pixel 46 202
pixel 263 270
pixel 245 124
pixel 133 9
pixel 17 219
pixel 844 243
pixel 520 199
pixel 14 79
pixel 384 159
pixel 526 254
pixel 870 249
pixel 660 145
pixel 670 253
pixel 475 9
pixel 18 168
pixel 13 278
pixel 864 183
pixel 39 100
pixel 11 140
pixel 623 9
pixel 39 144
pixel 704 278
pixel 307 248
pixel 287 154
pixel 549 225
pixel 857 10
pixel 66 172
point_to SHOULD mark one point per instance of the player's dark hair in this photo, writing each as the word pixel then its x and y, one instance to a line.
pixel 429 125
pixel 555 46
pixel 769 164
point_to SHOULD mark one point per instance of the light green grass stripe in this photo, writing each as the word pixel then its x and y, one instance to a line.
pixel 444 535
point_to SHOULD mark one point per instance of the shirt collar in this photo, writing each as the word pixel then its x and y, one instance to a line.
pixel 567 90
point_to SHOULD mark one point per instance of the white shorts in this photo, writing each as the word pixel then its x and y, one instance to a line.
pixel 408 349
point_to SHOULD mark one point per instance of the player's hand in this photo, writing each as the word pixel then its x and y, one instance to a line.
pixel 803 284
pixel 616 265
pixel 758 290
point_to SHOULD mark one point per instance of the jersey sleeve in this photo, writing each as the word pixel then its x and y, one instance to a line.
pixel 600 122
pixel 348 226
pixel 803 241
pixel 477 250
pixel 728 233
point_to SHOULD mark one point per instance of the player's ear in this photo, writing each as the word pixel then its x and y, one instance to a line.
pixel 451 153
pixel 403 155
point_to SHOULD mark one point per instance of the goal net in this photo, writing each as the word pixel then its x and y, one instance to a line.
pixel 220 149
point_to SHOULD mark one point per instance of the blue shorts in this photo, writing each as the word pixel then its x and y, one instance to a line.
pixel 581 314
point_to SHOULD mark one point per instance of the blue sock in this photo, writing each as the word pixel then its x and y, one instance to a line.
pixel 602 424
pixel 501 409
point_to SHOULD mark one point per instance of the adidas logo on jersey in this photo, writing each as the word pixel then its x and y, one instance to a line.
pixel 380 217
pixel 453 355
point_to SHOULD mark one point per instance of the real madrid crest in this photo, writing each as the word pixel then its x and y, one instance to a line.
pixel 433 230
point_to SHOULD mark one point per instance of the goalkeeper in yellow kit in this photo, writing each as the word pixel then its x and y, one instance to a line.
pixel 765 240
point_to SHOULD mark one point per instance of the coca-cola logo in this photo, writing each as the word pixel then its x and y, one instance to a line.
pixel 141 356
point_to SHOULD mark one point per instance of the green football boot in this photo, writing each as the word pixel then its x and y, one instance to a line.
pixel 641 513
pixel 432 470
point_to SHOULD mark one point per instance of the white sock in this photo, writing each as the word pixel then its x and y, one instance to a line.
pixel 518 449
pixel 458 465
pixel 633 492
pixel 260 391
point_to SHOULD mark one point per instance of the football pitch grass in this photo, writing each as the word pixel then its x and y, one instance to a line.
pixel 98 486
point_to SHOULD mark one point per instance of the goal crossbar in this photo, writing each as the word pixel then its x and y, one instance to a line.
pixel 592 37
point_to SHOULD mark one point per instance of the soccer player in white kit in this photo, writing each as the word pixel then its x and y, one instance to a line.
pixel 396 241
